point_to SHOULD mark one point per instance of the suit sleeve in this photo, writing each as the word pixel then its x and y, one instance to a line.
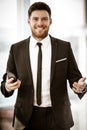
pixel 11 68
pixel 74 73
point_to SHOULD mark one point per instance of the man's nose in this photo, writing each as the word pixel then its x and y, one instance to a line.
pixel 40 22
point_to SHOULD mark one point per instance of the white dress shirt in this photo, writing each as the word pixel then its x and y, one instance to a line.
pixel 46 68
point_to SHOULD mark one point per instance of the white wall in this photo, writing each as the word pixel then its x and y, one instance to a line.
pixel 67 15
pixel 8 35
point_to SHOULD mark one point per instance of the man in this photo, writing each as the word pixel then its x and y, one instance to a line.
pixel 57 65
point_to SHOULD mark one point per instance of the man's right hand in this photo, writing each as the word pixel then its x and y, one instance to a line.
pixel 12 86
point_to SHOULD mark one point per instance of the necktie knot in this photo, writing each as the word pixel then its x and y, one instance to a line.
pixel 39 44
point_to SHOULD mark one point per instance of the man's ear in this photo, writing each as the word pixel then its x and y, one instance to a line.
pixel 50 21
pixel 28 20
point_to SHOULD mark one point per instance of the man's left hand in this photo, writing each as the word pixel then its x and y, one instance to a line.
pixel 80 86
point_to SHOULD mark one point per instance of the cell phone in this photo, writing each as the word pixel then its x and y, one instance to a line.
pixel 11 75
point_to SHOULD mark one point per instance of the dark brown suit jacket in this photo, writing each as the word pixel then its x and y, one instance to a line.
pixel 63 68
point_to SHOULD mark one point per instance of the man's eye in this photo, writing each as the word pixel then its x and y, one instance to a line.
pixel 45 19
pixel 35 19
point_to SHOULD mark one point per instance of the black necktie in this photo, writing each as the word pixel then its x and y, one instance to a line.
pixel 39 74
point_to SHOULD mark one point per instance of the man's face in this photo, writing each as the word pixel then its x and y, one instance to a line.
pixel 39 22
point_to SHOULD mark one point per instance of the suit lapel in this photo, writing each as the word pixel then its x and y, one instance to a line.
pixel 53 58
pixel 27 57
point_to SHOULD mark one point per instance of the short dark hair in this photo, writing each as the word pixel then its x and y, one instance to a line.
pixel 39 6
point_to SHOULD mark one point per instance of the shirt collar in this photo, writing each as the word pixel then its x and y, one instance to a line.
pixel 45 42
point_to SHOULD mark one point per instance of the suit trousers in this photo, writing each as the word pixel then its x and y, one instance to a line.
pixel 42 119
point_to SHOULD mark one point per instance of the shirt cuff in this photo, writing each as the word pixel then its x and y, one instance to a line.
pixel 85 89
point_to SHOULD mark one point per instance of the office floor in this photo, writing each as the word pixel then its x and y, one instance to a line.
pixel 5 125
pixel 6 115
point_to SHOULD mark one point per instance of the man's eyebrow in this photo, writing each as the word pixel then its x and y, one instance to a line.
pixel 36 17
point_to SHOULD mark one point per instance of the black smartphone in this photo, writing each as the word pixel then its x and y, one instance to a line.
pixel 11 75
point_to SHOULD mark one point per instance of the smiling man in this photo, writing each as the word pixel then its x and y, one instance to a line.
pixel 42 65
pixel 40 22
